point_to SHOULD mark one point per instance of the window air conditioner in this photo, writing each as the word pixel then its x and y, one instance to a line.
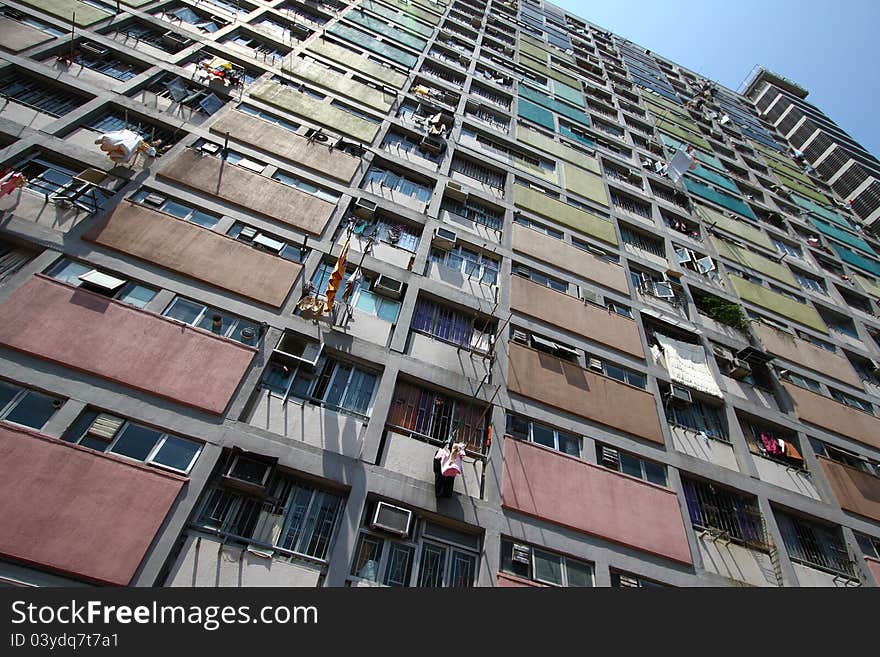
pixel 455 191
pixel 680 394
pixel 522 554
pixel 739 369
pixel 176 41
pixel 93 50
pixel 388 287
pixel 393 519
pixel 248 472
pixel 364 209
pixel 591 296
pixel 444 238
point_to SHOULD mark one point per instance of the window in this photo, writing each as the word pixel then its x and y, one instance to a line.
pixel 178 209
pixel 475 211
pixel 552 347
pixel 814 544
pixel 642 242
pixel 774 445
pixel 37 94
pixel 433 416
pixel 698 416
pixel 630 464
pixel 722 512
pixel 271 118
pixel 267 242
pixel 26 407
pixel 599 253
pixel 14 14
pixel 622 374
pixel 810 283
pixel 230 156
pixel 211 319
pixel 869 545
pixel 788 249
pixel 92 279
pixel 472 263
pixel 115 435
pixel 534 225
pixel 397 183
pixel 803 382
pixel 545 567
pixel 332 383
pixel 117 120
pixel 398 142
pixel 540 279
pixel 106 63
pixel 362 297
pixel 430 556
pixel 849 400
pixel 305 186
pixel 478 172
pixel 453 326
pixel 523 428
pixel 845 457
pixel 291 518
pixel 261 49
pixel 386 229
pixel 628 580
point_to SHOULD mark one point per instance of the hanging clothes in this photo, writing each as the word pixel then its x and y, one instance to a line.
pixel 451 465
pixel 443 485
pixel 336 276
pixel 11 183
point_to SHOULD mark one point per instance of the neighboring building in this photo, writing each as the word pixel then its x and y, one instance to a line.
pixel 851 171
pixel 659 380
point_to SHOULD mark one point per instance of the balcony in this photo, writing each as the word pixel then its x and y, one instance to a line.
pixel 97 518
pixel 588 498
pixel 570 258
pixel 90 333
pixel 249 190
pixel 572 314
pixel 194 251
pixel 794 349
pixel 566 386
pixel 856 491
pixel 835 417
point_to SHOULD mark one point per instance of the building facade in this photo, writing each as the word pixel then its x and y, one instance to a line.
pixel 352 233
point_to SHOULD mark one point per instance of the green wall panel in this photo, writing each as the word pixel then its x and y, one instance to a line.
pixel 778 303
pixel 754 261
pixel 364 40
pixel 64 9
pixel 548 145
pixel 340 84
pixel 741 229
pixel 357 62
pixel 532 112
pixel 806 204
pixel 585 184
pixel 681 133
pixel 386 30
pixel 733 204
pixel 295 102
pixel 568 215
pixel 570 94
pixel 395 17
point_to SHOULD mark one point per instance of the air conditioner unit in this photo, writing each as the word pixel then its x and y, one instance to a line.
pixel 680 394
pixel 591 296
pixel 392 519
pixel 365 209
pixel 455 191
pixel 177 41
pixel 595 364
pixel 508 51
pixel 388 287
pixel 248 472
pixel 521 554
pixel 93 50
pixel 739 369
pixel 444 238
pixel 520 336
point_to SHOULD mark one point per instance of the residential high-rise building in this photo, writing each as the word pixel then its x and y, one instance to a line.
pixel 263 262
pixel 851 171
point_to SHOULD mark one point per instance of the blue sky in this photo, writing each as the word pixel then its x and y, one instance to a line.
pixel 830 48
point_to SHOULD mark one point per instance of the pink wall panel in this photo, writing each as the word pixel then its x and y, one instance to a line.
pixel 91 333
pixel 592 499
pixel 75 511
